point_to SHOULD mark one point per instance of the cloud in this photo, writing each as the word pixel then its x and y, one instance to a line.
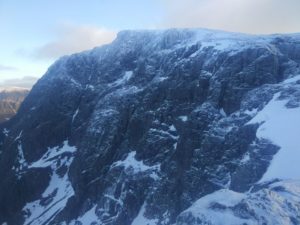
pixel 25 82
pixel 249 16
pixel 71 39
pixel 7 68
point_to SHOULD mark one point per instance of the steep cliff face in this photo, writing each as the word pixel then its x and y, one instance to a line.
pixel 159 127
pixel 10 101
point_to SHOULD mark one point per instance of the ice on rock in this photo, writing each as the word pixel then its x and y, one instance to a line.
pixel 75 115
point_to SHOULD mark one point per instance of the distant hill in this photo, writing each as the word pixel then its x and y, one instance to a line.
pixel 10 101
pixel 24 82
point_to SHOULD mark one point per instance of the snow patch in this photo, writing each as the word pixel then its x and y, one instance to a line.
pixel 280 125
pixel 127 76
pixel 59 190
pixel 51 155
pixel 21 162
pixel 90 87
pixel 21 158
pixel 126 91
pixel 246 158
pixel 175 145
pixel 222 112
pixel 164 133
pixel 292 80
pixel 5 131
pixel 172 128
pixel 142 220
pixel 183 118
pixel 131 163
pixel 89 217
pixel 203 208
pixel 160 79
pixel 19 136
pixel 75 83
pixel 75 115
pixel 120 202
pixel 38 213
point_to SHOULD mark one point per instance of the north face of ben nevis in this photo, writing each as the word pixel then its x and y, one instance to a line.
pixel 169 127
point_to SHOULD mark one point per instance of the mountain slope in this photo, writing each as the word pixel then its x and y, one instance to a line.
pixel 158 127
pixel 10 101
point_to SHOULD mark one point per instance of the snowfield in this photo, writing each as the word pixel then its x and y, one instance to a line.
pixel 281 126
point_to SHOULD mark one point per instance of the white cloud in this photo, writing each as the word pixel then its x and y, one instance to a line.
pixel 71 39
pixel 250 16
pixel 7 68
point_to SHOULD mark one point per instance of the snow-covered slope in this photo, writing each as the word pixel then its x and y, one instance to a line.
pixel 275 198
pixel 181 126
pixel 280 120
pixel 277 203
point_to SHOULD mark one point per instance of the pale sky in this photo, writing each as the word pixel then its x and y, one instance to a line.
pixel 35 33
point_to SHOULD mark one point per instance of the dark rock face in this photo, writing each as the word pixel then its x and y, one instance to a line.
pixel 10 101
pixel 158 120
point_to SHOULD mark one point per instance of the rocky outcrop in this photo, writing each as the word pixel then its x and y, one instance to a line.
pixel 139 131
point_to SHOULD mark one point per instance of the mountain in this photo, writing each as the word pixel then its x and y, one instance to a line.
pixel 170 127
pixel 10 101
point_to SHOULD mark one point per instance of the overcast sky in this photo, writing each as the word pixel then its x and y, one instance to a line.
pixel 35 33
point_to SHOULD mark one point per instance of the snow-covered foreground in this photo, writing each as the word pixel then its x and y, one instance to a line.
pixel 276 204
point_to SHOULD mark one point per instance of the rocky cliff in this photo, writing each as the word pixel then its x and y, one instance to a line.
pixel 166 127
